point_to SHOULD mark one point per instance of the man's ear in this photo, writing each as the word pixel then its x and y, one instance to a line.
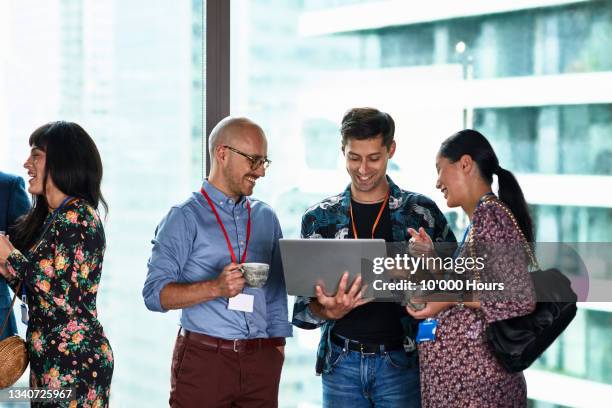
pixel 220 153
pixel 392 149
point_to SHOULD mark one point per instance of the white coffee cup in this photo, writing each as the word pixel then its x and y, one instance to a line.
pixel 255 274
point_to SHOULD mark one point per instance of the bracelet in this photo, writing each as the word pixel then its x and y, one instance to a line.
pixel 460 303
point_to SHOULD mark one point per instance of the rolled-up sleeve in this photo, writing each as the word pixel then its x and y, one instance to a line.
pixel 171 248
pixel 276 292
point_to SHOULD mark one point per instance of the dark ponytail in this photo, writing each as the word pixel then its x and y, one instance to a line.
pixel 511 194
pixel 475 145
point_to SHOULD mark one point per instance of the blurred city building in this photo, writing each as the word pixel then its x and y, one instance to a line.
pixel 533 75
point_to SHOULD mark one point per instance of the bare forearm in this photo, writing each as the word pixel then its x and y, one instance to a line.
pixel 182 295
pixel 472 305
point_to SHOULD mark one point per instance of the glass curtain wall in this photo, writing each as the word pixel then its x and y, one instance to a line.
pixel 533 77
pixel 131 73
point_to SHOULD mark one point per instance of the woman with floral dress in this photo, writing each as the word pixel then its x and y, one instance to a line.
pixel 457 368
pixel 57 263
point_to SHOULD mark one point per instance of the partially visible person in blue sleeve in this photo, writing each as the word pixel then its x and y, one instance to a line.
pixel 14 203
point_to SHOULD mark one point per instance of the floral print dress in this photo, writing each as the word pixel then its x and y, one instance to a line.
pixel 458 369
pixel 66 343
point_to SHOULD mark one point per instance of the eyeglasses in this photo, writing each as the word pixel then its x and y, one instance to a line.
pixel 256 162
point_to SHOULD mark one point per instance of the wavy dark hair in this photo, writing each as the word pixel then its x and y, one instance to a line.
pixel 367 123
pixel 477 146
pixel 73 163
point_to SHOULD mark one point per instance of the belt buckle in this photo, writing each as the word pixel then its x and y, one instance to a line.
pixel 363 352
pixel 235 344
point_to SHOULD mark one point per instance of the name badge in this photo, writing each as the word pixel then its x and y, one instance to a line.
pixel 427 330
pixel 241 302
pixel 24 314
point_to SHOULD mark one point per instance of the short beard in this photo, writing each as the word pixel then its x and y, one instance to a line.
pixel 233 187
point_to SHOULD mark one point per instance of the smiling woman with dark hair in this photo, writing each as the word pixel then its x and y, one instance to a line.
pixel 457 366
pixel 57 261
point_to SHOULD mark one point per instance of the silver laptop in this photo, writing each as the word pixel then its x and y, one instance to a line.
pixel 308 262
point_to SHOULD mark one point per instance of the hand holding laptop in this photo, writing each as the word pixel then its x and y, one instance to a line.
pixel 338 305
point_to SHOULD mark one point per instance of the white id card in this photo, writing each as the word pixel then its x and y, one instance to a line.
pixel 241 302
pixel 24 314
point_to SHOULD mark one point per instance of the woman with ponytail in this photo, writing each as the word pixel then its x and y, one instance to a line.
pixel 457 367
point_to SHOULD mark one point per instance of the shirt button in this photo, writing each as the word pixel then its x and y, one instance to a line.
pixel 220 202
pixel 241 243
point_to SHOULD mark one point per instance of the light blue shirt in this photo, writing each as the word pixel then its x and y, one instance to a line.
pixel 189 246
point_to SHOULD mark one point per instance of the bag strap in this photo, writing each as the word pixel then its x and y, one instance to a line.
pixel 494 201
pixel 10 309
pixel 528 249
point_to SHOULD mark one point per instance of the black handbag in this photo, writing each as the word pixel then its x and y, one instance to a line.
pixel 518 342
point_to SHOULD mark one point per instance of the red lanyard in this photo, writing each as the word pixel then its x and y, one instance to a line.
pixel 227 240
pixel 382 208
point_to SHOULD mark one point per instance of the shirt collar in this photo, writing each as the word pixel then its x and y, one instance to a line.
pixel 219 198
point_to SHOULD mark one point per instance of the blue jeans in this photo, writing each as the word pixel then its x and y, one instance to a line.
pixel 385 380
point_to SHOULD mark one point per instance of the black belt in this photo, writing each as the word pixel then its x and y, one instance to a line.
pixel 367 348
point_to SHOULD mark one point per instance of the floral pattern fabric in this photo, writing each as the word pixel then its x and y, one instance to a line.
pixel 458 369
pixel 66 342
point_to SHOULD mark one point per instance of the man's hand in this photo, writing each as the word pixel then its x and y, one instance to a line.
pixel 230 281
pixel 176 295
pixel 337 306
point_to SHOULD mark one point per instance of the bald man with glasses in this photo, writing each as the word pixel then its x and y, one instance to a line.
pixel 230 348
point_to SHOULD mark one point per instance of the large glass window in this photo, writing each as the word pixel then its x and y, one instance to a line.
pixel 529 78
pixel 582 351
pixel 534 79
pixel 572 139
pixel 131 74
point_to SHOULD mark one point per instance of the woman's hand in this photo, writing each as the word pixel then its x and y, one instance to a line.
pixel 431 309
pixel 420 243
pixel 5 248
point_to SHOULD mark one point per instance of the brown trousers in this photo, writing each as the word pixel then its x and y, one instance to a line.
pixel 203 376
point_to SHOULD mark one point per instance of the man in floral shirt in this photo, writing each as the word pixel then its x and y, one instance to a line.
pixel 367 354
